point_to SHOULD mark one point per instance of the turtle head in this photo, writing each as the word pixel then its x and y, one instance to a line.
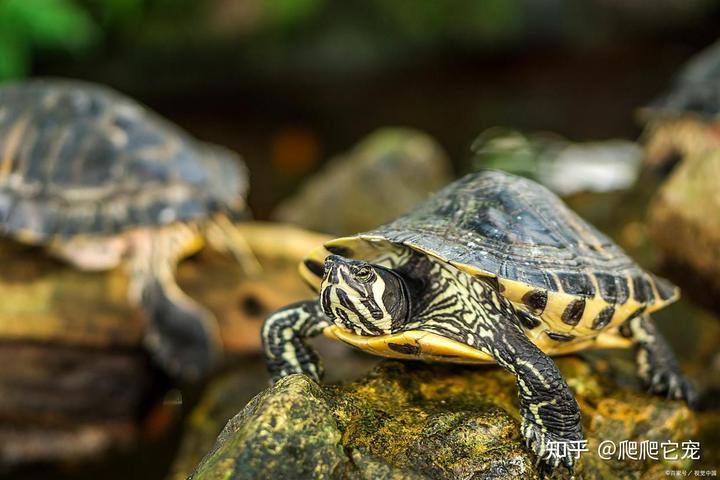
pixel 363 298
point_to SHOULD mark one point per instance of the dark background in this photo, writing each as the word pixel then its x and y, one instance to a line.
pixel 288 83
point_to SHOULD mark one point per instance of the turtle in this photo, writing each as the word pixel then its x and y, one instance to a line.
pixel 492 268
pixel 100 181
pixel 685 120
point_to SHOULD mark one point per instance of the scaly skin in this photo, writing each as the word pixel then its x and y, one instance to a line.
pixel 283 335
pixel 657 366
pixel 549 410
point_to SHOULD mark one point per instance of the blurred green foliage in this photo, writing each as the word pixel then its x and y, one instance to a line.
pixel 82 37
pixel 118 12
pixel 286 13
pixel 459 19
pixel 29 25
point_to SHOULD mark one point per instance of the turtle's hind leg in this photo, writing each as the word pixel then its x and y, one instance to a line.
pixel 283 335
pixel 657 366
pixel 182 336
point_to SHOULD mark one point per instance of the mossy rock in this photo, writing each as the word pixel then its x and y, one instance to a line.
pixel 416 421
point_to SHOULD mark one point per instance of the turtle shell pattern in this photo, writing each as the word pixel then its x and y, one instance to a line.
pixel 77 158
pixel 567 280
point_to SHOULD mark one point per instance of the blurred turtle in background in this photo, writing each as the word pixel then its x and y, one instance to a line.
pixel 101 181
pixel 383 176
pixel 563 166
pixel 684 121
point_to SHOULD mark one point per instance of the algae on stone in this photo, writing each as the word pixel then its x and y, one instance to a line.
pixel 287 432
pixel 416 421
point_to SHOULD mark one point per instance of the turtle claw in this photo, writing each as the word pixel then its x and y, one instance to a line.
pixel 673 385
pixel 548 448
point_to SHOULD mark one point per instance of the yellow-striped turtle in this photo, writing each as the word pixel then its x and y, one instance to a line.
pixel 492 268
pixel 101 181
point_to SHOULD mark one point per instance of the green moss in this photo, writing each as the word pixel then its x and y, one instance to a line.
pixel 416 421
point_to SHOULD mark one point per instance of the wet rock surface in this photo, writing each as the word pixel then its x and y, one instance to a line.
pixel 416 421
pixel 685 226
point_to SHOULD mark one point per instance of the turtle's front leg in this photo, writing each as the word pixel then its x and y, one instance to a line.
pixel 657 366
pixel 551 416
pixel 283 335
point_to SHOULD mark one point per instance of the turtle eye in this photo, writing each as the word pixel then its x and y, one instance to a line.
pixel 364 274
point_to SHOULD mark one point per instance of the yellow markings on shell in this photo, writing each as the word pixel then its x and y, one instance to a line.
pixel 429 346
pixel 366 247
pixel 660 303
pixel 11 145
pixel 557 302
pixel 605 339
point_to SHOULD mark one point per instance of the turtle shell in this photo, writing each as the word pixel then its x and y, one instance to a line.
pixel 77 158
pixel 696 90
pixel 556 268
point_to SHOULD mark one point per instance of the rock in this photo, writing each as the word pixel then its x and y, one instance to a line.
pixel 230 391
pixel 684 224
pixel 668 140
pixel 294 429
pixel 416 421
pixel 223 397
pixel 709 438
pixel 382 177
pixel 69 404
